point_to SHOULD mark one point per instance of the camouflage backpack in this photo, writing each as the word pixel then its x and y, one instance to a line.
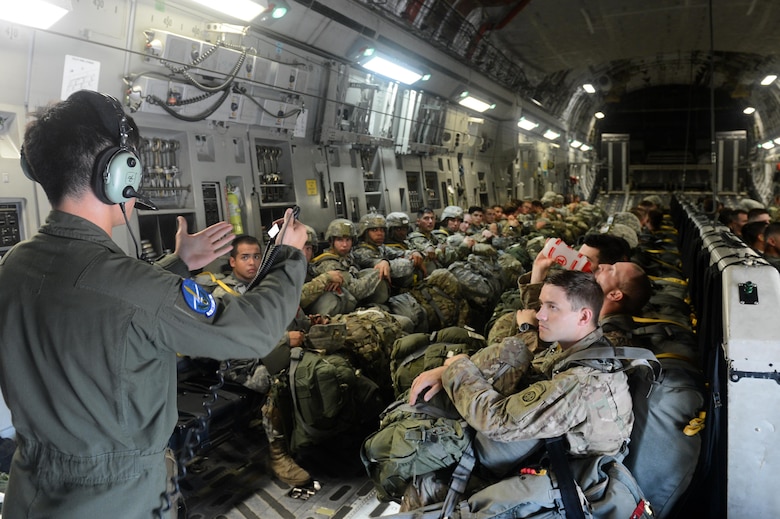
pixel 481 280
pixel 369 337
pixel 420 352
pixel 441 296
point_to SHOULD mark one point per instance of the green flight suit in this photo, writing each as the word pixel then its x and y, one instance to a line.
pixel 88 364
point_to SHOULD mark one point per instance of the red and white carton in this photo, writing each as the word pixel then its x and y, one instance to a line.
pixel 565 256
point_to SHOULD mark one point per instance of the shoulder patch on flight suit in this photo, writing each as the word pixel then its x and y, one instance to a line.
pixel 197 299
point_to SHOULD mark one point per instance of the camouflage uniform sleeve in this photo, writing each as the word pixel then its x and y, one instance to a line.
pixel 420 243
pixel 314 289
pixel 529 295
pixel 365 257
pixel 504 364
pixel 545 409
pixel 364 285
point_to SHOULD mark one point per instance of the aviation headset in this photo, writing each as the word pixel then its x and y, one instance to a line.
pixel 117 172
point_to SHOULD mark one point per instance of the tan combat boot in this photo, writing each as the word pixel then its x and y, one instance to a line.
pixel 284 466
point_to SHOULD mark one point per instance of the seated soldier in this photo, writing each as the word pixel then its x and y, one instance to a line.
pixel 456 244
pixel 625 283
pixel 604 248
pixel 398 229
pixel 328 282
pixel 245 258
pixel 423 239
pixel 395 266
pixel 359 287
pixel 772 243
pixel 546 398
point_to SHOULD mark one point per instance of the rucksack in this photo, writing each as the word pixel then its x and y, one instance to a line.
pixel 329 397
pixel 481 280
pixel 412 441
pixel 419 352
pixel 608 487
pixel 441 296
pixel 369 338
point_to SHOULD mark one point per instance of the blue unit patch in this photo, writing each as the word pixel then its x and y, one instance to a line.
pixel 198 298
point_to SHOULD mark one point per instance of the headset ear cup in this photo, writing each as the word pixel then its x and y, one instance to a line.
pixel 116 169
pixel 26 169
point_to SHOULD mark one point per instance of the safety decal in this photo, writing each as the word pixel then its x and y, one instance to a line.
pixel 197 298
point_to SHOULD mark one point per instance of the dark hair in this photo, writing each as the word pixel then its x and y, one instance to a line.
pixel 243 238
pixel 475 208
pixel 636 290
pixel 655 218
pixel 772 228
pixel 581 289
pixel 751 231
pixel 611 248
pixel 62 143
pixel 757 211
pixel 424 210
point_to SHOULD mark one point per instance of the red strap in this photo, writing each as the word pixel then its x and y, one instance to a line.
pixel 639 511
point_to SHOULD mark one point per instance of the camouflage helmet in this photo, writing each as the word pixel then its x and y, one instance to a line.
pixel 371 221
pixel 452 211
pixel 625 232
pixel 340 227
pixel 311 237
pixel 657 200
pixel 397 219
pixel 629 219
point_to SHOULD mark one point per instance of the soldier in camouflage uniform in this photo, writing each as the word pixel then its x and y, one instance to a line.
pixel 365 287
pixel 589 403
pixel 394 265
pixel 398 229
pixel 317 285
pixel 424 240
pixel 245 258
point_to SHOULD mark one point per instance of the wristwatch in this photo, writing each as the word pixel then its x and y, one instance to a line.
pixel 526 327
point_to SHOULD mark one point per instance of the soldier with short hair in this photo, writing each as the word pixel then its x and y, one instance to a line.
pixel 590 404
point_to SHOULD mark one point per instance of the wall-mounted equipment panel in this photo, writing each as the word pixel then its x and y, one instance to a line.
pixel 11 226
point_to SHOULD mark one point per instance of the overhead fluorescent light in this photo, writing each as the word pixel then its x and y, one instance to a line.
pixel 768 145
pixel 769 79
pixel 585 147
pixel 473 103
pixel 388 67
pixel 599 115
pixel 549 134
pixel 575 143
pixel 589 88
pixel 425 77
pixel 526 124
pixel 40 14
pixel 246 10
pixel 477 120
pixel 749 110
pixel 777 141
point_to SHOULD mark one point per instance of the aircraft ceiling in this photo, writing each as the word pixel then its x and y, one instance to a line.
pixel 545 50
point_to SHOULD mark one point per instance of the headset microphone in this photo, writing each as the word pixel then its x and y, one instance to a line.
pixel 130 192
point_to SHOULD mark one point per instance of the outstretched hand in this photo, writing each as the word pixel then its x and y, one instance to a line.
pixel 199 249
